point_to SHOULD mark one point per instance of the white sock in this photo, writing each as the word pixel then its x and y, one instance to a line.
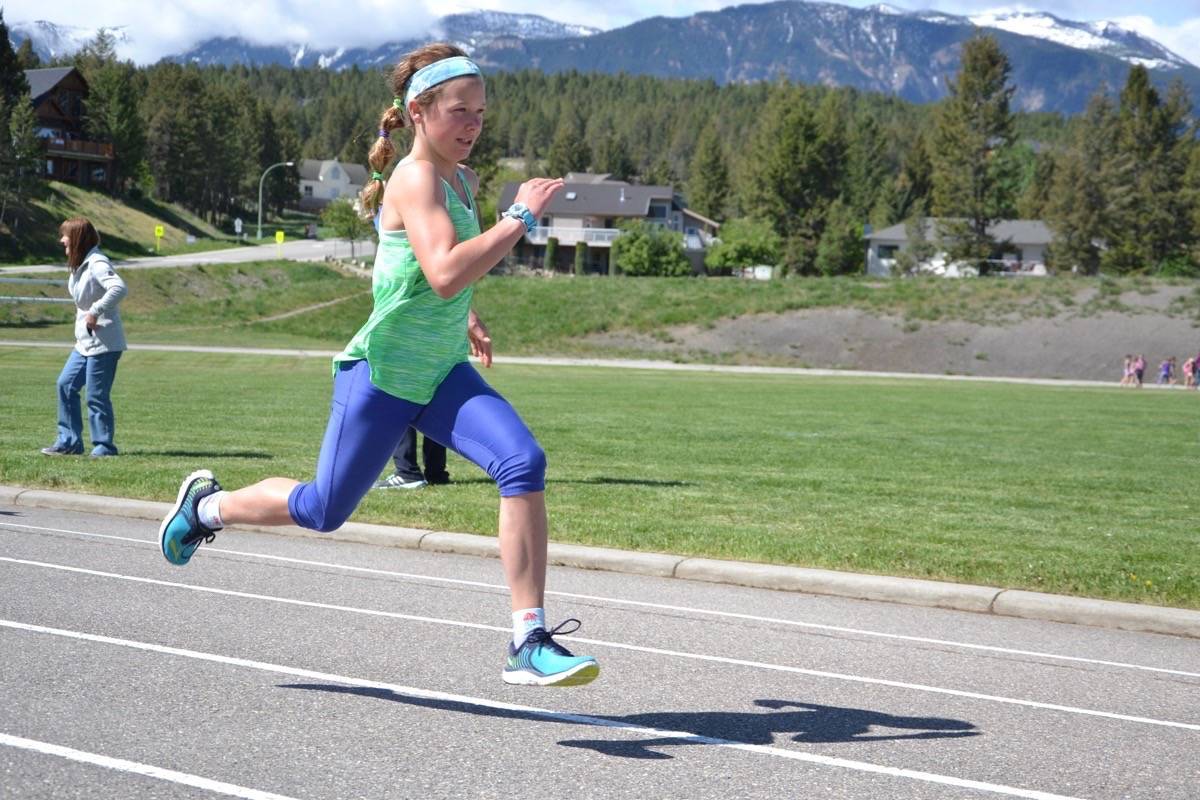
pixel 209 511
pixel 525 621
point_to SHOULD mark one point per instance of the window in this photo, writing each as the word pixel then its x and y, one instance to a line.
pixel 571 195
pixel 657 212
pixel 887 250
pixel 335 174
pixel 308 190
pixel 49 166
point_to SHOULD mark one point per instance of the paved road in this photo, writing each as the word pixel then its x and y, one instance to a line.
pixel 309 668
pixel 301 250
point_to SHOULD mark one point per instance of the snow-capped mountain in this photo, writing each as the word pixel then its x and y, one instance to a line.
pixel 1101 37
pixel 470 31
pixel 50 40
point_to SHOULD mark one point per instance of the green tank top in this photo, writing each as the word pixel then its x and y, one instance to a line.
pixel 413 338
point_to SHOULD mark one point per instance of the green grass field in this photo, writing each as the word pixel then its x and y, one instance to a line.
pixel 1084 491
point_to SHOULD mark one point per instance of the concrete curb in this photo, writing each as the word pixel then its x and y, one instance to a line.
pixel 908 591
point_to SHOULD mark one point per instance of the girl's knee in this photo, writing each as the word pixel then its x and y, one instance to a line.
pixel 523 471
pixel 309 510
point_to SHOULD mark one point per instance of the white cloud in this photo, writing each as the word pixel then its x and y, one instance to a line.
pixel 158 29
pixel 1182 39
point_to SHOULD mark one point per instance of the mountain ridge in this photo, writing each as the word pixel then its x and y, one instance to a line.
pixel 1057 64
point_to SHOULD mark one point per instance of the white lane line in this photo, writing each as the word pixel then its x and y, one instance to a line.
pixel 558 716
pixel 641 604
pixel 622 646
pixel 147 770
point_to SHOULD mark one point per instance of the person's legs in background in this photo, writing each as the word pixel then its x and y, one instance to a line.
pixel 101 370
pixel 407 474
pixel 70 415
pixel 433 455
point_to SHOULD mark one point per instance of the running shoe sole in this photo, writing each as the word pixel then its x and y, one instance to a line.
pixel 578 675
pixel 183 487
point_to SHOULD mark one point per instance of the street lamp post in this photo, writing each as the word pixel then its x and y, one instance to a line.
pixel 260 188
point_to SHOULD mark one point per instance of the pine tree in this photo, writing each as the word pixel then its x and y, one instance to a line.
pixel 13 85
pixel 613 157
pixel 111 112
pixel 973 133
pixel 568 152
pixel 787 177
pixel 26 55
pixel 26 149
pixel 1078 204
pixel 708 177
pixel 1145 178
pixel 8 188
pixel 914 184
pixel 1192 198
pixel 842 249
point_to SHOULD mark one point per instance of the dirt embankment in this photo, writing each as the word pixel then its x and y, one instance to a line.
pixel 1069 345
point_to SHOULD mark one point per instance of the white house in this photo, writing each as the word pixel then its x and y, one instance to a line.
pixel 324 180
pixel 1021 248
pixel 590 207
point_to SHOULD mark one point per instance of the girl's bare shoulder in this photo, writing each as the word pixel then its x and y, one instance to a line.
pixel 416 178
pixel 472 178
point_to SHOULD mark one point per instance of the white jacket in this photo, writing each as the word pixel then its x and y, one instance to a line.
pixel 97 289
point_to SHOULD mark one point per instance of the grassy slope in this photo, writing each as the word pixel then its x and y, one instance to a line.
pixel 126 227
pixel 225 304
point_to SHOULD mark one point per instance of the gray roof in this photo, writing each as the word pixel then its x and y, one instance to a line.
pixel 42 81
pixel 1017 231
pixel 310 170
pixel 602 199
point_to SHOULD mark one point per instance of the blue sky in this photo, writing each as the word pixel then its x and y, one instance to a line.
pixel 156 29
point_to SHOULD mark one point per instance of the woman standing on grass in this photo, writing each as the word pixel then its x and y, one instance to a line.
pixel 99 341
pixel 408 364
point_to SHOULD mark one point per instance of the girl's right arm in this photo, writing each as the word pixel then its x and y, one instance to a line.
pixel 450 265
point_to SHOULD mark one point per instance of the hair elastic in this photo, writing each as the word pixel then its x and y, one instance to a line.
pixel 376 175
pixel 438 72
pixel 383 133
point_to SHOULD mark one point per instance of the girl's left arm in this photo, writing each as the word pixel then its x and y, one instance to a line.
pixel 114 287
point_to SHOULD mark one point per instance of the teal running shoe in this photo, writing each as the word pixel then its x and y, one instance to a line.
pixel 541 661
pixel 181 531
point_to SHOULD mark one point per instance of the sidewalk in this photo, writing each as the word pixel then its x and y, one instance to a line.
pixel 960 597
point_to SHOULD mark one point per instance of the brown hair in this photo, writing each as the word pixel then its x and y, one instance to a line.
pixel 383 151
pixel 81 238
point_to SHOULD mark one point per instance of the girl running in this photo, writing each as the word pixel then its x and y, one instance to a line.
pixel 408 364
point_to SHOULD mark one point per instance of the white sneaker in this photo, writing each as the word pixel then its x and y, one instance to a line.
pixel 395 481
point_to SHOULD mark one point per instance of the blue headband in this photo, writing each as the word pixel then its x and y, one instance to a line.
pixel 439 72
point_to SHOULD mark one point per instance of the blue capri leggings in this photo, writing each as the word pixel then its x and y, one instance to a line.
pixel 365 424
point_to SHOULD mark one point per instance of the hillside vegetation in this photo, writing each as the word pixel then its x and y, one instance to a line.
pixel 126 226
pixel 1054 327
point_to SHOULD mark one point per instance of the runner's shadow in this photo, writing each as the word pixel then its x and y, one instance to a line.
pixel 603 481
pixel 808 723
pixel 592 481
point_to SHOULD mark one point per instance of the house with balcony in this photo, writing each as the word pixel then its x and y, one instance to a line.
pixel 59 94
pixel 589 209
pixel 325 180
pixel 1020 249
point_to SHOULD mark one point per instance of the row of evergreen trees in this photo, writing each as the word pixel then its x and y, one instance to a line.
pixel 1120 184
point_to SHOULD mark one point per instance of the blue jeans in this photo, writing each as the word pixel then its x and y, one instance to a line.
pixel 98 373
